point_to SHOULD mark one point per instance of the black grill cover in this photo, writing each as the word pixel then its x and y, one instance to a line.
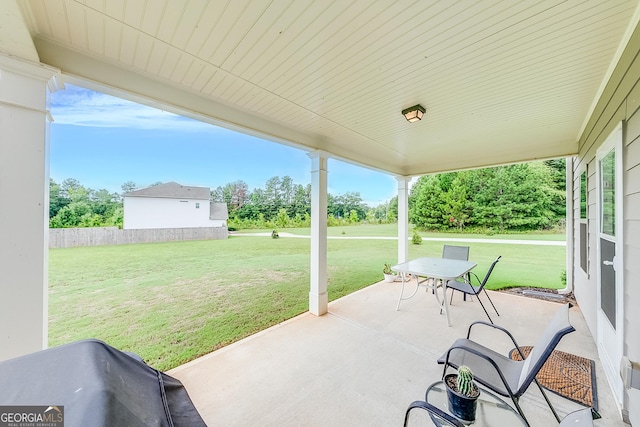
pixel 98 386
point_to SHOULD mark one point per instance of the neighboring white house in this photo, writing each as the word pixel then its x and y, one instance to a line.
pixel 172 205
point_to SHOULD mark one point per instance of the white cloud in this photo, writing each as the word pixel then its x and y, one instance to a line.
pixel 82 107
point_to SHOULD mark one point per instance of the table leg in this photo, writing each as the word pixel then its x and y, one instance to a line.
pixel 404 280
pixel 446 303
pixel 443 304
pixel 435 292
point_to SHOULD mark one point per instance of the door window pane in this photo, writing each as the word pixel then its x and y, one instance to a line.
pixel 608 176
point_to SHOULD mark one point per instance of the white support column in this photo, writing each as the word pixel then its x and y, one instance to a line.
pixel 24 206
pixel 318 297
pixel 403 218
pixel 569 224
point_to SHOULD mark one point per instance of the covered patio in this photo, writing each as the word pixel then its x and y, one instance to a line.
pixel 501 83
pixel 364 362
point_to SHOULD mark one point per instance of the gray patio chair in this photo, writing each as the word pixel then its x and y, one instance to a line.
pixel 466 286
pixel 438 416
pixel 502 374
pixel 455 252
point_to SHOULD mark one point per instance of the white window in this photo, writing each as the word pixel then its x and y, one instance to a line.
pixel 584 223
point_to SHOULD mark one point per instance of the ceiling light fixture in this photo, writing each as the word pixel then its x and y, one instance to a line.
pixel 413 114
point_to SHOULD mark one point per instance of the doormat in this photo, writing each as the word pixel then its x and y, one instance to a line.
pixel 567 375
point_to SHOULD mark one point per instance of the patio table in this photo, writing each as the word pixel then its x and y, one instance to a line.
pixel 434 272
pixel 491 409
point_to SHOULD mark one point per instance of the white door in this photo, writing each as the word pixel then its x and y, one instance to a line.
pixel 610 265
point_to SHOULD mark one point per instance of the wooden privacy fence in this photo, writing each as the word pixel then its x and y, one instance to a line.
pixel 71 237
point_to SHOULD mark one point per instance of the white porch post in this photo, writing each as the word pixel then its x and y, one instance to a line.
pixel 403 218
pixel 24 206
pixel 318 297
pixel 569 224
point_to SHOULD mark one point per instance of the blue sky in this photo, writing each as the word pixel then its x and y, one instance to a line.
pixel 103 141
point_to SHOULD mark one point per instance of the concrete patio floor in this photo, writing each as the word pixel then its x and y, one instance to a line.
pixel 364 362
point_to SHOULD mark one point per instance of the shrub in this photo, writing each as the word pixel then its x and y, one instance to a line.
pixel 416 239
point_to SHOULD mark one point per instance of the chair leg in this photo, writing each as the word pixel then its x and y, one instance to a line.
pixel 555 414
pixel 464 295
pixel 492 305
pixel 485 310
pixel 517 404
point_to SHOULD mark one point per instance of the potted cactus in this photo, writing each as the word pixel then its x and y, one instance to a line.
pixel 462 393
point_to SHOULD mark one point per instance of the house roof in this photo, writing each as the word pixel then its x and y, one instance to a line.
pixel 501 82
pixel 172 190
pixel 218 211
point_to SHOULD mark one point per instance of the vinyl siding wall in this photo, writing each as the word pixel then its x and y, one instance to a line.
pixel 632 251
pixel 620 102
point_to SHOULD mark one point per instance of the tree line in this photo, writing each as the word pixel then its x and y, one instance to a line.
pixel 73 205
pixel 281 203
pixel 527 196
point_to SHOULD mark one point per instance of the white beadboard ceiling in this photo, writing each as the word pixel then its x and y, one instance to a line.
pixel 502 81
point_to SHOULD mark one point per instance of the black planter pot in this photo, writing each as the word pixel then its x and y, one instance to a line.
pixel 461 406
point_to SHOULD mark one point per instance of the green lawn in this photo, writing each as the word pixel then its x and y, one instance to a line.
pixel 172 302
